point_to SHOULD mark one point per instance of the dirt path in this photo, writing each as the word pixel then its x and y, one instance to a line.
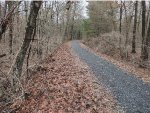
pixel 132 93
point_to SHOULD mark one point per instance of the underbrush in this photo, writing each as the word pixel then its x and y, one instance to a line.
pixel 32 65
pixel 113 45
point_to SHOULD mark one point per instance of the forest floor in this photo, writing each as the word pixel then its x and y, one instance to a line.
pixel 64 84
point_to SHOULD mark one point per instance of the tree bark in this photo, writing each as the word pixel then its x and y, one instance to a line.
pixel 120 27
pixel 72 22
pixel 120 17
pixel 66 31
pixel 0 10
pixel 18 64
pixel 146 43
pixel 144 52
pixel 127 31
pixel 10 4
pixel 26 9
pixel 134 28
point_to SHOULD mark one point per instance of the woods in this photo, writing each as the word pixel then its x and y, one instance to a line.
pixel 33 31
pixel 29 32
pixel 29 36
pixel 124 26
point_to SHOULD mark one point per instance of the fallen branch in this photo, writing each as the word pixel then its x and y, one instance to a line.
pixel 2 55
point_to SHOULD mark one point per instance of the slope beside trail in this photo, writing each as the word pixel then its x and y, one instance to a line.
pixel 63 84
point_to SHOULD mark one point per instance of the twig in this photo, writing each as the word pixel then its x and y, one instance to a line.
pixel 4 21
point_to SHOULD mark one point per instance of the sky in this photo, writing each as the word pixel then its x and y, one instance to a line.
pixel 85 3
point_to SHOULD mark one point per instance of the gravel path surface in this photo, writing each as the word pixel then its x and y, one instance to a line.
pixel 132 93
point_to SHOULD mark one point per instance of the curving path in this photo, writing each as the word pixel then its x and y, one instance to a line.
pixel 132 93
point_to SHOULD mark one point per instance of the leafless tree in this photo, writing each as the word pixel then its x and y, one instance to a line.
pixel 134 28
pixel 17 66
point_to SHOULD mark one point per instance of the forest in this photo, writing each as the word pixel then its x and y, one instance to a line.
pixel 54 55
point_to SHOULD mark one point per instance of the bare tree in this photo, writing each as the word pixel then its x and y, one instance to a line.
pixel 120 26
pixel 120 17
pixel 144 52
pixel 18 64
pixel 134 27
pixel 66 30
pixel 127 27
pixel 0 10
pixel 10 5
pixel 4 21
pixel 26 9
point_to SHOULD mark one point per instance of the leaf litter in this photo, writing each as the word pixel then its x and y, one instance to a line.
pixel 64 84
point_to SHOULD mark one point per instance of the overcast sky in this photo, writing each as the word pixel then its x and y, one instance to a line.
pixel 85 3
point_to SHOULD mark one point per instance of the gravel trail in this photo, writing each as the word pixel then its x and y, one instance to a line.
pixel 132 93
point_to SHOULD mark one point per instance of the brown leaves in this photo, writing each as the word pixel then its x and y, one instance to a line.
pixel 67 87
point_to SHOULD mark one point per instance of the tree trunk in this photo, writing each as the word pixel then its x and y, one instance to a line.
pixel 4 22
pixel 147 18
pixel 127 32
pixel 65 37
pixel 10 4
pixel 72 22
pixel 112 19
pixel 39 48
pixel 57 13
pixel 66 31
pixel 18 64
pixel 146 43
pixel 18 20
pixel 134 28
pixel 26 9
pixel 120 17
pixel 120 27
pixel 2 27
pixel 139 20
pixel 0 10
pixel 144 52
